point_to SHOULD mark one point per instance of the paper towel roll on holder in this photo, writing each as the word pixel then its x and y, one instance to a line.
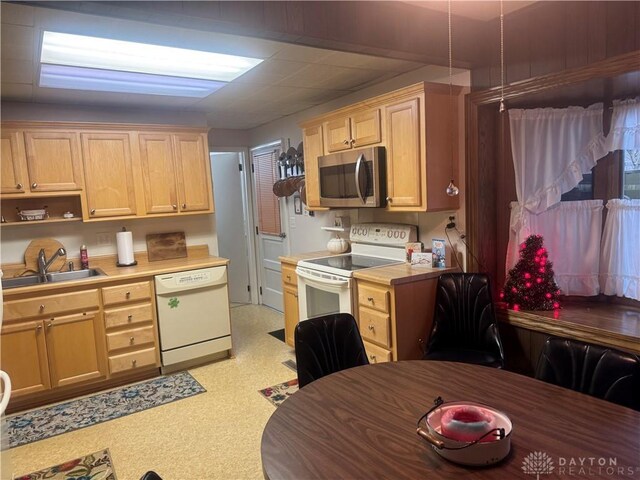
pixel 125 249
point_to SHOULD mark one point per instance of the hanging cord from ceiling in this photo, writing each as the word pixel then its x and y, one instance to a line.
pixel 502 107
pixel 451 190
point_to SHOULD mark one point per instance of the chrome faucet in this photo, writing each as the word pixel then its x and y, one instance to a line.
pixel 44 264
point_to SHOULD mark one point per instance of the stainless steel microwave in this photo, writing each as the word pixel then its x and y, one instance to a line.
pixel 353 178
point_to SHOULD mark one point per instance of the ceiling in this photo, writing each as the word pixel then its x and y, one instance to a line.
pixel 476 10
pixel 290 79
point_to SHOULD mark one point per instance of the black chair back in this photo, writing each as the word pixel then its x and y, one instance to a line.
pixel 592 369
pixel 464 323
pixel 326 345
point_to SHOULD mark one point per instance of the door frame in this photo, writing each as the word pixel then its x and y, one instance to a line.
pixel 284 223
pixel 248 207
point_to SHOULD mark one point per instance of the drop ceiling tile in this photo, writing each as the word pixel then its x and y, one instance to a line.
pixel 110 99
pixel 17 71
pixel 16 91
pixel 299 53
pixel 270 71
pixel 15 14
pixel 17 42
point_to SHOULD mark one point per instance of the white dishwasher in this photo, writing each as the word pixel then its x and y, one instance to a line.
pixel 193 316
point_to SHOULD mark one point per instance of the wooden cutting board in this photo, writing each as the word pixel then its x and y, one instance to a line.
pixel 165 246
pixel 50 245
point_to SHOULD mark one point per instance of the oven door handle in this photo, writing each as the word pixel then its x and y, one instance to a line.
pixel 358 166
pixel 319 280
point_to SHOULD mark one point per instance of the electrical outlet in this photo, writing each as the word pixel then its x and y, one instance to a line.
pixel 292 222
pixel 104 238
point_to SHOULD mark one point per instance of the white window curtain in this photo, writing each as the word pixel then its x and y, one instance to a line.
pixel 620 249
pixel 625 126
pixel 571 232
pixel 552 149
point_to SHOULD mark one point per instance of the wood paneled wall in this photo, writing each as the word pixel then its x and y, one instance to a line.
pixel 549 37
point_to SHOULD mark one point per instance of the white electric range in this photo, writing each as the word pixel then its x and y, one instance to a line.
pixel 325 284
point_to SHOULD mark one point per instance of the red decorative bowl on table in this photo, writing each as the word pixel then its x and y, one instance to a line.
pixel 468 433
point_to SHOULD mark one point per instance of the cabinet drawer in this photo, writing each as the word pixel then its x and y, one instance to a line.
pixel 376 354
pixel 133 360
pixel 51 305
pixel 375 327
pixel 374 297
pixel 130 338
pixel 289 275
pixel 116 317
pixel 126 293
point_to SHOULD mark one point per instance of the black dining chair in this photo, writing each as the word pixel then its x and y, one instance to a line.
pixel 464 322
pixel 599 371
pixel 327 345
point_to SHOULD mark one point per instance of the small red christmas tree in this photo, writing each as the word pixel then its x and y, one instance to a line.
pixel 530 284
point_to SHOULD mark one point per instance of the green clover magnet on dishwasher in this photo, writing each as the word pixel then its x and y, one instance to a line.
pixel 173 302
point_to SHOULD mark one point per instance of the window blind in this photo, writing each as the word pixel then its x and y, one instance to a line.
pixel 264 165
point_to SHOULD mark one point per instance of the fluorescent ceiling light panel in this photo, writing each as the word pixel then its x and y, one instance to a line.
pixel 77 78
pixel 107 54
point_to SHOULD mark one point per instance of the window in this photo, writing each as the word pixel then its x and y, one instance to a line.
pixel 582 191
pixel 631 174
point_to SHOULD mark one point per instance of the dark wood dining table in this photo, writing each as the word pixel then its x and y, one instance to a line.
pixel 361 423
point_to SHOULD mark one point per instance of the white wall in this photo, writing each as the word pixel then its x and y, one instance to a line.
pixel 307 235
pixel 199 229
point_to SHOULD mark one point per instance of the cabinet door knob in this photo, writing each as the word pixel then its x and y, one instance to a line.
pixel 38 328
pixel 132 340
pixel 372 358
pixel 42 307
pixel 134 362
pixel 353 141
pixel 370 299
pixel 174 206
pixel 184 205
pixel 129 318
pixel 34 185
pixel 50 324
pixel 128 295
pixel 19 186
pixel 93 211
pixel 389 199
pixel 371 327
pixel 346 142
pixel 288 277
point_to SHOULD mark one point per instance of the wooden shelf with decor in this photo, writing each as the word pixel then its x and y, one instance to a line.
pixel 56 206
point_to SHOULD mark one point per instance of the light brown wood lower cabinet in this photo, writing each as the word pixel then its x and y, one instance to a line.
pixel 290 302
pixel 395 320
pixel 75 347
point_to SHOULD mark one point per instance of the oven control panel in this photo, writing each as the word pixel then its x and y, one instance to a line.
pixel 394 234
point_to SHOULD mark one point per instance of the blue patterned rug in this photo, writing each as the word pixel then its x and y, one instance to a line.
pixel 65 417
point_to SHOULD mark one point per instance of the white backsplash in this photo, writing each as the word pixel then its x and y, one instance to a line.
pixel 199 230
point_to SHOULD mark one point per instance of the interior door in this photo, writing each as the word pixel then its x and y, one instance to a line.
pixel 231 222
pixel 269 230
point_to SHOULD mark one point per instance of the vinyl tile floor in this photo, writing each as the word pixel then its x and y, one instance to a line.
pixel 214 435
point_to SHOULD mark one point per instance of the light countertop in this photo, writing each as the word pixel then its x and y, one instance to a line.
pixel 198 257
pixel 389 275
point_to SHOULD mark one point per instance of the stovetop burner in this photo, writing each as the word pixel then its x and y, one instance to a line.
pixel 351 262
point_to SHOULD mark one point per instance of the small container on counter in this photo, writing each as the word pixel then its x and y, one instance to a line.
pixel 84 257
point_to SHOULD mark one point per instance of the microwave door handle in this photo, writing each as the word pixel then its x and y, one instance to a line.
pixel 358 166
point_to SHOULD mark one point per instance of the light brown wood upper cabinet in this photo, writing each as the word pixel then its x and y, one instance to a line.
pixel 158 173
pixel 354 131
pixel 108 174
pixel 193 172
pixel 405 165
pixel 53 160
pixel 14 164
pixel 313 148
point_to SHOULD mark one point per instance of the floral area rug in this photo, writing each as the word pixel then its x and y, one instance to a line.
pixel 96 466
pixel 65 417
pixel 279 393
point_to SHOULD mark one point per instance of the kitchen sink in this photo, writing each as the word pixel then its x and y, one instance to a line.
pixel 74 275
pixel 53 277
